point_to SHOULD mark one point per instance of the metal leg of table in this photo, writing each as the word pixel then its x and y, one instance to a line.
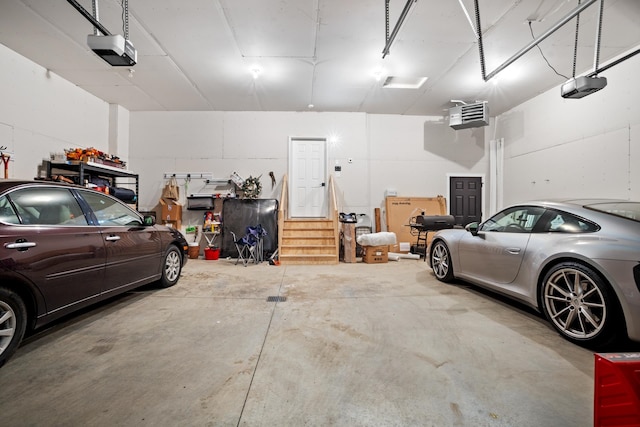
pixel 210 238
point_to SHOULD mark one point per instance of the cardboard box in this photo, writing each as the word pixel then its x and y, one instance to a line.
pixel 400 211
pixel 171 210
pixel 348 242
pixel 174 224
pixel 375 254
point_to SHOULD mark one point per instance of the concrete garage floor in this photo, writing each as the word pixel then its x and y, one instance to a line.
pixel 353 345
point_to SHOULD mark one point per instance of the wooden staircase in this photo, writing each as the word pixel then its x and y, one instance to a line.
pixel 309 241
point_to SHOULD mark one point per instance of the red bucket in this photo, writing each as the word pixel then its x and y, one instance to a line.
pixel 211 253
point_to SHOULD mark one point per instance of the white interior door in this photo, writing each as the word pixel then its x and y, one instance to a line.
pixel 307 172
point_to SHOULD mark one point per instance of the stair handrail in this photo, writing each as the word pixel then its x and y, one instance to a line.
pixel 283 209
pixel 333 212
pixel 333 200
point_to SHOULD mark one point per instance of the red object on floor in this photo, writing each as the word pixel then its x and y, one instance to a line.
pixel 211 253
pixel 617 390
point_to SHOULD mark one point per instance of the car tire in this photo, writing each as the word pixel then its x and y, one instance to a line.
pixel 581 305
pixel 441 261
pixel 171 267
pixel 13 323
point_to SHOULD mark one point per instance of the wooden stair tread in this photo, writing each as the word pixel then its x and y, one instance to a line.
pixel 308 241
pixel 330 256
pixel 308 220
pixel 285 245
pixel 308 237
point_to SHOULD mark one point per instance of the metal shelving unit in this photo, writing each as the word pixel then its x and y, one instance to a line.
pixel 86 170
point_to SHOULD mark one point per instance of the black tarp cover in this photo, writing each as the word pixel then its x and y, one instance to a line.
pixel 238 214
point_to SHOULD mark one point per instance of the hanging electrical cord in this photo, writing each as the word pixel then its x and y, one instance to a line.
pixel 545 58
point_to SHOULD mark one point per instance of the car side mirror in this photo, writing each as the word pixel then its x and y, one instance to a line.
pixel 472 228
pixel 149 220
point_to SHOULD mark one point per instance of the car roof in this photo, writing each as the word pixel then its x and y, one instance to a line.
pixel 7 184
pixel 575 202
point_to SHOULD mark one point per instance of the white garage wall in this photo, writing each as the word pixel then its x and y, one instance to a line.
pixel 399 152
pixel 587 147
pixel 249 143
pixel 42 113
pixel 414 154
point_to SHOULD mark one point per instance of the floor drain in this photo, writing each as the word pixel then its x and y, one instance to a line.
pixel 276 299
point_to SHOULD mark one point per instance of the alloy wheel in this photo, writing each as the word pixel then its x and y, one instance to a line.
pixel 172 266
pixel 575 303
pixel 7 325
pixel 440 262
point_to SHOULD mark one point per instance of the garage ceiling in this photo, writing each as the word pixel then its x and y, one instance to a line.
pixel 318 55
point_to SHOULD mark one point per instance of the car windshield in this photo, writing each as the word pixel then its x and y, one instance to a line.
pixel 520 219
pixel 630 210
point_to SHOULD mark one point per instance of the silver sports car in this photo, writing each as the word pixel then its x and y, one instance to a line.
pixel 577 261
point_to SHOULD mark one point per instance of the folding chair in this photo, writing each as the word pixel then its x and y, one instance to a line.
pixel 245 249
pixel 255 236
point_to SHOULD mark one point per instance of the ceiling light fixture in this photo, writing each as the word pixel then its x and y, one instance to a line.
pixel 256 70
pixel 377 74
pixel 394 82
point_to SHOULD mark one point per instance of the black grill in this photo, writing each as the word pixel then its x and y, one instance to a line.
pixel 421 225
pixel 434 222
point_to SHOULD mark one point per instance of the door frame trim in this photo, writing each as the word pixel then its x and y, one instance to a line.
pixel 467 175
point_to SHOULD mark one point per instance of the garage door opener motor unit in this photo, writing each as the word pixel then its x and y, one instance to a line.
pixel 116 50
pixel 469 115
pixel 580 87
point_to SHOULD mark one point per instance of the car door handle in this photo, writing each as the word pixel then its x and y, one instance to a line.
pixel 112 238
pixel 513 251
pixel 20 245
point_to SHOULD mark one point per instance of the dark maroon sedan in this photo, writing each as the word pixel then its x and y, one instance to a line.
pixel 64 247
